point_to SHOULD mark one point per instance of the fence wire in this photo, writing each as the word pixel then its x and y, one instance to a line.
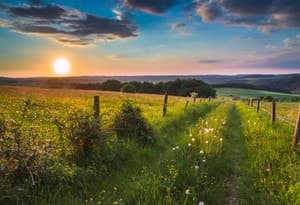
pixel 283 119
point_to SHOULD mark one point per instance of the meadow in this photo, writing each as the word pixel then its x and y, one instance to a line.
pixel 54 151
pixel 252 93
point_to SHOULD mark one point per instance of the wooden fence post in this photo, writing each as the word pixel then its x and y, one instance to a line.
pixel 165 105
pixel 194 99
pixel 258 105
pixel 96 107
pixel 297 131
pixel 251 102
pixel 248 102
pixel 186 105
pixel 273 113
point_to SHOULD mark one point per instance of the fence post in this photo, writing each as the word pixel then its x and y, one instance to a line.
pixel 273 113
pixel 248 102
pixel 186 105
pixel 251 102
pixel 297 131
pixel 165 105
pixel 258 105
pixel 96 107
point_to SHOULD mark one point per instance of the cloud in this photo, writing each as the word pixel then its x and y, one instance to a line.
pixel 209 61
pixel 116 57
pixel 291 43
pixel 209 11
pixel 266 15
pixel 285 56
pixel 122 15
pixel 150 6
pixel 181 28
pixel 68 26
pixel 46 12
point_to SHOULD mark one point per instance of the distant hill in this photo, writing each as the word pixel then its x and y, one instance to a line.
pixel 285 83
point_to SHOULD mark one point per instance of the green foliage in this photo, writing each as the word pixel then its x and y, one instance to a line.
pixel 130 123
pixel 128 88
pixel 24 158
pixel 178 87
pixel 112 85
pixel 84 134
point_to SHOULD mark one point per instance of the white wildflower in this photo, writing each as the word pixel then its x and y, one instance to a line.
pixel 201 152
pixel 201 203
pixel 188 192
pixel 196 167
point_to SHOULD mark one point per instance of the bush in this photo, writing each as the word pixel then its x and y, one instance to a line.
pixel 84 135
pixel 128 88
pixel 23 158
pixel 129 123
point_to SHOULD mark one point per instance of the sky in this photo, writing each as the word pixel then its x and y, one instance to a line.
pixel 149 37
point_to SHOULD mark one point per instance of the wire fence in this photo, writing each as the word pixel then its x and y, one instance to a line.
pixel 285 112
pixel 281 118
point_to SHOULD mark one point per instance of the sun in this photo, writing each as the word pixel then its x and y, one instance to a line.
pixel 61 66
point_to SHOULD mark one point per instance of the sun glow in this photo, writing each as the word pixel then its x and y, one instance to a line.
pixel 61 66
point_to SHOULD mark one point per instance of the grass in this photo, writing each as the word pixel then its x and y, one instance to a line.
pixel 251 93
pixel 271 168
pixel 286 110
pixel 214 152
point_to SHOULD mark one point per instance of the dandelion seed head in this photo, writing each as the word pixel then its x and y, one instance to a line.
pixel 188 192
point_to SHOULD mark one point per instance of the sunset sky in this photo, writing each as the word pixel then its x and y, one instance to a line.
pixel 150 37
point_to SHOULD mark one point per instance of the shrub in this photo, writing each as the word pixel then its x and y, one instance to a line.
pixel 83 134
pixel 23 157
pixel 129 123
pixel 128 88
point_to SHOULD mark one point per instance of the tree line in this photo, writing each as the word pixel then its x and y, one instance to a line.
pixel 178 87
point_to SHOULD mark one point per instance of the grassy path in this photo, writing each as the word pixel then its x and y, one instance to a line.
pixel 234 150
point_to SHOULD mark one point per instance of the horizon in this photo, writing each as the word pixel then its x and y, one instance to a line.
pixel 154 38
pixel 167 75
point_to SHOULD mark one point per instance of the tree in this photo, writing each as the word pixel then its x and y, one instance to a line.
pixel 112 85
pixel 128 88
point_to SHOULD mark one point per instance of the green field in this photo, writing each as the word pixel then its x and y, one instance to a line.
pixel 53 150
pixel 250 93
